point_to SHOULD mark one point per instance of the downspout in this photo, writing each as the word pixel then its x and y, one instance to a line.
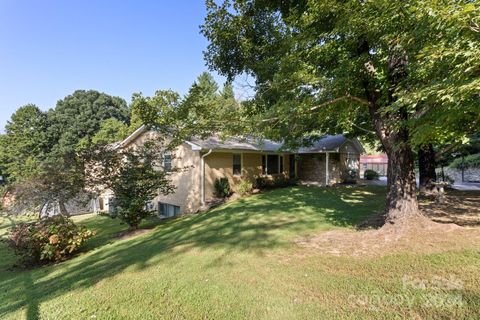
pixel 327 178
pixel 202 182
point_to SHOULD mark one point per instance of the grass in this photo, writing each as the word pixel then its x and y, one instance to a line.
pixel 240 261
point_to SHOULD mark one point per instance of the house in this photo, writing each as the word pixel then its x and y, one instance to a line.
pixel 375 162
pixel 327 161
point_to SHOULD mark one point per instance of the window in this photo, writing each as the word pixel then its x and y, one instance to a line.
pixel 168 210
pixel 167 162
pixel 270 164
pixel 281 164
pixel 237 164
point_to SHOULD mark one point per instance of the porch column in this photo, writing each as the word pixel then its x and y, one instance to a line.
pixel 327 178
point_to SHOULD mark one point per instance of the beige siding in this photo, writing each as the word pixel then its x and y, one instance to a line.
pixel 220 165
pixel 187 180
pixel 252 165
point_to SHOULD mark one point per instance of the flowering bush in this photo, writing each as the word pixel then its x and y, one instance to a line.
pixel 47 240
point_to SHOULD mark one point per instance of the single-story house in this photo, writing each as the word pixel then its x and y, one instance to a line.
pixel 325 162
pixel 375 162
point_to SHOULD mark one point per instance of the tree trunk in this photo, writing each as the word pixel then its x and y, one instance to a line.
pixel 401 199
pixel 63 209
pixel 392 130
pixel 426 167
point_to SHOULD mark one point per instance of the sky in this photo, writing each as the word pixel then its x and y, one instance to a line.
pixel 50 48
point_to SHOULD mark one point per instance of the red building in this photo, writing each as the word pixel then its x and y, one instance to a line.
pixel 375 162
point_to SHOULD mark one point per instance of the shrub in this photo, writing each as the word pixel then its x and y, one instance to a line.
pixel 470 161
pixel 244 187
pixel 281 182
pixel 261 182
pixel 370 174
pixel 222 188
pixel 51 239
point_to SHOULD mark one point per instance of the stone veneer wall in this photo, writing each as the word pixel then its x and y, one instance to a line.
pixel 470 174
pixel 311 167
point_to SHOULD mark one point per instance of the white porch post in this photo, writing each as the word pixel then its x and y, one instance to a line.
pixel 327 178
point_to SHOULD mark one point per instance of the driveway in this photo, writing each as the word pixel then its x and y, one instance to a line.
pixel 463 186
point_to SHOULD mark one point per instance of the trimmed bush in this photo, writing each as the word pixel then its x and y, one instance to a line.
pixel 222 188
pixel 244 187
pixel 51 239
pixel 370 174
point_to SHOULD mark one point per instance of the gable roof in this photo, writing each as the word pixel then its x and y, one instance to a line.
pixel 245 144
pixel 330 143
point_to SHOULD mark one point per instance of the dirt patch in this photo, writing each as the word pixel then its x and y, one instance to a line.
pixel 421 237
pixel 449 226
pixel 460 207
pixel 132 233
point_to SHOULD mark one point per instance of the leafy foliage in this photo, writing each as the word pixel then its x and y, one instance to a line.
pixel 203 111
pixel 470 161
pixel 406 72
pixel 222 187
pixel 47 240
pixel 111 130
pixel 244 187
pixel 39 152
pixel 133 175
pixel 25 143
pixel 77 118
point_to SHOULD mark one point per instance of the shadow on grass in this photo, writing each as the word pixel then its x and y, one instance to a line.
pixel 256 224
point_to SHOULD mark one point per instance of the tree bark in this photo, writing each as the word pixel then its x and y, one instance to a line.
pixel 401 201
pixel 63 209
pixel 391 128
pixel 426 167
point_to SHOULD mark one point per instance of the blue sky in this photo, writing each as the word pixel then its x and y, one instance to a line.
pixel 51 48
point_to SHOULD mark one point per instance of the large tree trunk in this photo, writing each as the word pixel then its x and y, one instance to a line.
pixel 426 167
pixel 401 202
pixel 392 130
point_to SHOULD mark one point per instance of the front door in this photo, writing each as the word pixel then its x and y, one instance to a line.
pixel 291 169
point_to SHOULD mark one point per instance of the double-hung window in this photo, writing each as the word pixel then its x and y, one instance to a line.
pixel 237 164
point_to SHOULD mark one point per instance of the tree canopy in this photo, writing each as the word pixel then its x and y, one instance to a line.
pixel 39 152
pixel 78 117
pixel 406 70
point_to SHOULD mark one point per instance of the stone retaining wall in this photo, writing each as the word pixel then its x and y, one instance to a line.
pixel 470 175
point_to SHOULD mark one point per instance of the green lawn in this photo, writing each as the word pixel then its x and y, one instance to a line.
pixel 240 261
